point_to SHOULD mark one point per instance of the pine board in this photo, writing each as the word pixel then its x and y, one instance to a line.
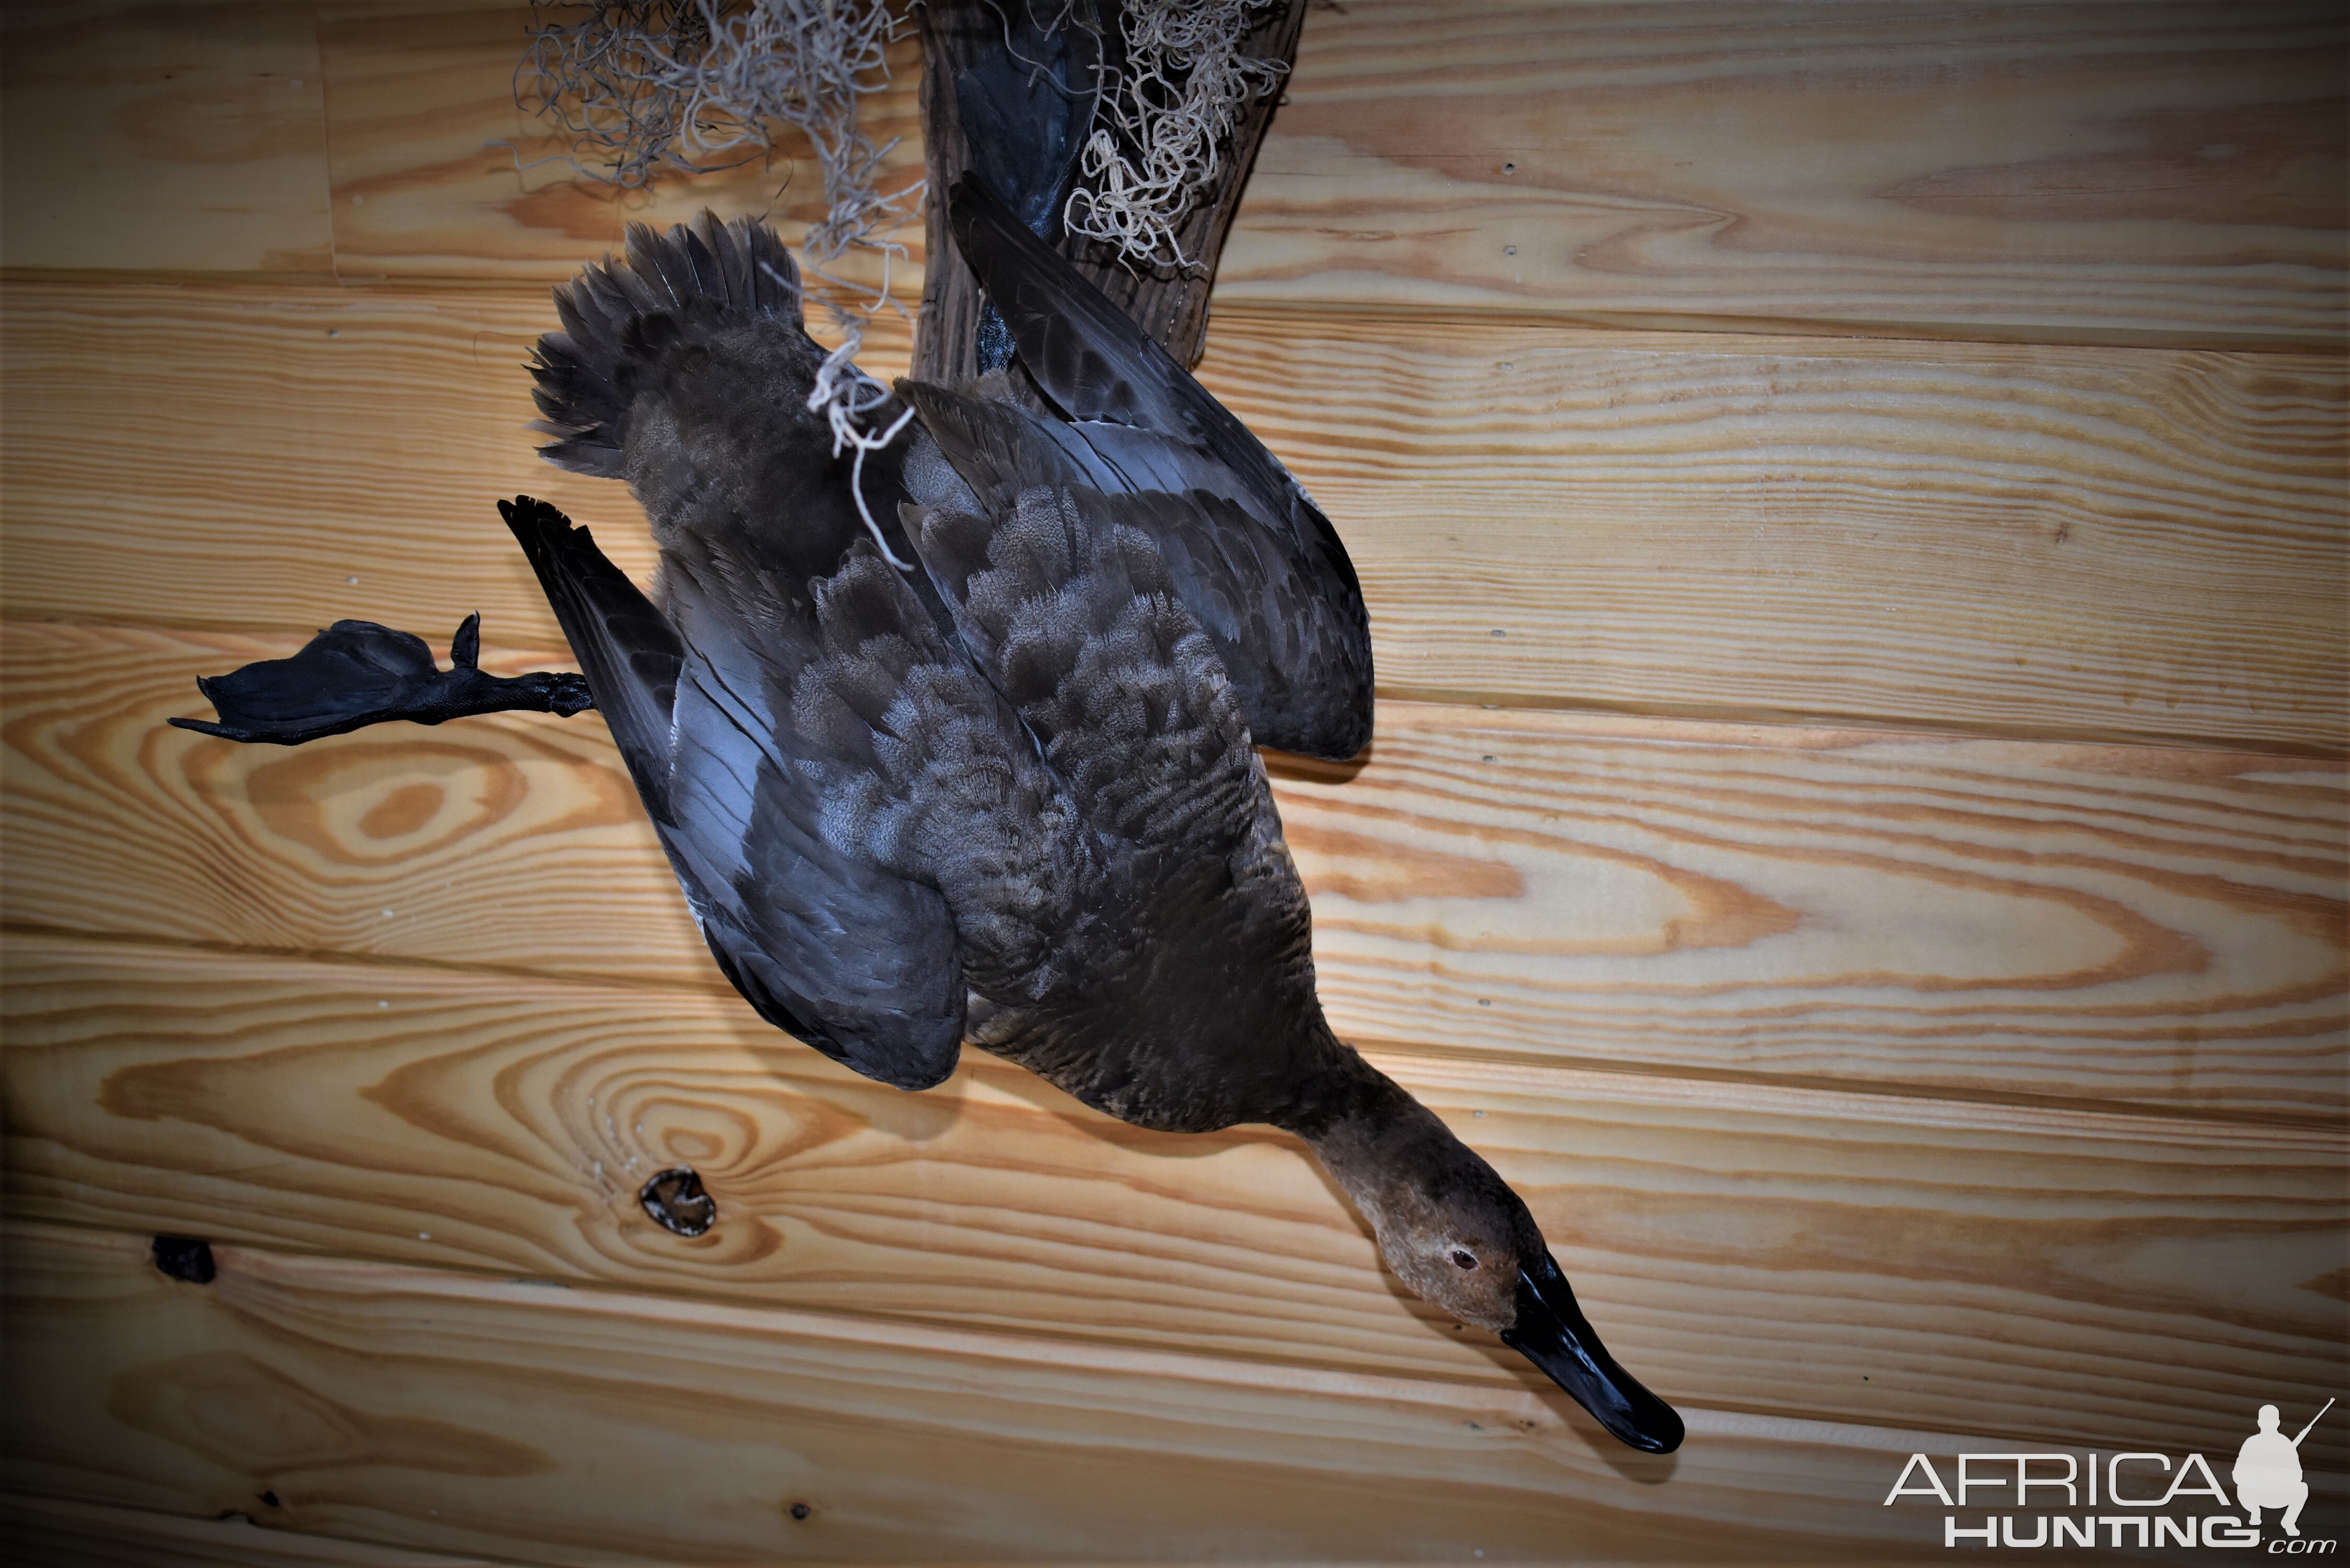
pixel 2167 173
pixel 2090 543
pixel 2053 1274
pixel 436 173
pixel 1995 918
pixel 2136 544
pixel 465 1415
pixel 46 1533
pixel 2149 174
pixel 183 138
pixel 2058 541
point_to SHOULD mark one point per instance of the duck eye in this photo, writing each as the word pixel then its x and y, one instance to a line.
pixel 1465 1259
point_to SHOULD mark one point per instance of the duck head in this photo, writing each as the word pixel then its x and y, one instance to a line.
pixel 1459 1238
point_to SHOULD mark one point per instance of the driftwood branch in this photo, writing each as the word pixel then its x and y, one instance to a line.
pixel 1171 303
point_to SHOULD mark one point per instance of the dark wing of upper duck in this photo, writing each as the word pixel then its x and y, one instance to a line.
pixel 1249 552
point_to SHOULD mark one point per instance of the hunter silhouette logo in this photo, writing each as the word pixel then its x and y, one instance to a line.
pixel 2268 1471
pixel 2123 1499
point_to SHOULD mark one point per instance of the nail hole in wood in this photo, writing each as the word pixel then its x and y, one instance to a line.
pixel 801 1510
pixel 675 1200
pixel 271 1498
pixel 188 1258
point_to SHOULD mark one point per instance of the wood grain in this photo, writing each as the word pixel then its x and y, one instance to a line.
pixel 282 444
pixel 2057 1274
pixel 1996 917
pixel 436 173
pixel 475 1415
pixel 2158 175
pixel 2055 540
pixel 187 138
pixel 1881 1092
pixel 2034 540
pixel 48 1532
pixel 2167 173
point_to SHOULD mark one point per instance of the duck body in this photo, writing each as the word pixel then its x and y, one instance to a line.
pixel 1013 794
pixel 956 739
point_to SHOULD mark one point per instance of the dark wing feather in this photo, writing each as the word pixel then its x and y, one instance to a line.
pixel 1024 88
pixel 629 653
pixel 1068 611
pixel 1086 353
pixel 855 960
pixel 1264 570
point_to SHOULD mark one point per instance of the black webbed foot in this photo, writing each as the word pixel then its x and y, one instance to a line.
pixel 356 673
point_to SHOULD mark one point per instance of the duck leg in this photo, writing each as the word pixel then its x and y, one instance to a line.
pixel 356 673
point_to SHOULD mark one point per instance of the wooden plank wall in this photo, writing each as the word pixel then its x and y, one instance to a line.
pixel 1852 500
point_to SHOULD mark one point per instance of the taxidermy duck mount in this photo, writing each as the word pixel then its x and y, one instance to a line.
pixel 952 737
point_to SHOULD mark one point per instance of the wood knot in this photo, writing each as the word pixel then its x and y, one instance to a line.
pixel 188 1258
pixel 675 1200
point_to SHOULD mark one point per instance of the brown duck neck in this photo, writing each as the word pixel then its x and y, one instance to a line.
pixel 1368 1132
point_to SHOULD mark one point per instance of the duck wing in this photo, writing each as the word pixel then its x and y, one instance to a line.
pixel 1246 549
pixel 856 959
pixel 628 654
pixel 685 370
pixel 828 936
pixel 1069 607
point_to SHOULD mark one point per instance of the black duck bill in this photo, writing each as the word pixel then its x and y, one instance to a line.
pixel 1552 1333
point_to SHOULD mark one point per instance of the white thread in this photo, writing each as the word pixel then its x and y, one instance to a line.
pixel 640 83
pixel 846 394
pixel 644 82
pixel 1159 137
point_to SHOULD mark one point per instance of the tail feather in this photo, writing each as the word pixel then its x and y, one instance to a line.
pixel 612 314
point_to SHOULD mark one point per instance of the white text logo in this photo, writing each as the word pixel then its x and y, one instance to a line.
pixel 2139 1488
